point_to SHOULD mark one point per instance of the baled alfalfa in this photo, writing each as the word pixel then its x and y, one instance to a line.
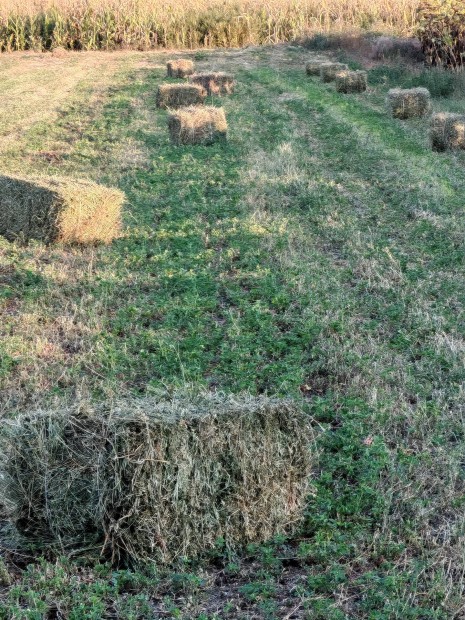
pixel 215 83
pixel 181 68
pixel 447 131
pixel 329 70
pixel 151 480
pixel 351 81
pixel 197 125
pixel 179 95
pixel 59 210
pixel 313 67
pixel 404 103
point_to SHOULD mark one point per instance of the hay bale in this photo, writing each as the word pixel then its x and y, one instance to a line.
pixel 447 131
pixel 351 81
pixel 313 67
pixel 156 480
pixel 198 125
pixel 218 83
pixel 179 95
pixel 329 70
pixel 406 103
pixel 179 68
pixel 61 210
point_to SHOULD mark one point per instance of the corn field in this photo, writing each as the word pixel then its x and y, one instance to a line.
pixel 146 24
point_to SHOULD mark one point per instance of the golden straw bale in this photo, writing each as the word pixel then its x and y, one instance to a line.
pixel 57 209
pixel 407 103
pixel 313 67
pixel 179 95
pixel 329 70
pixel 351 81
pixel 216 83
pixel 179 68
pixel 197 125
pixel 447 131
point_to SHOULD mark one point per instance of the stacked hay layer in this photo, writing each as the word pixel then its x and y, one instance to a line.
pixel 198 125
pixel 179 95
pixel 447 131
pixel 351 81
pixel 158 481
pixel 214 83
pixel 62 210
pixel 179 68
pixel 329 70
pixel 409 102
pixel 313 67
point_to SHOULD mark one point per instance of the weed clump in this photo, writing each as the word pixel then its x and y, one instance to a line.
pixel 329 70
pixel 351 81
pixel 179 68
pixel 152 480
pixel 59 210
pixel 218 83
pixel 447 131
pixel 179 95
pixel 409 102
pixel 198 125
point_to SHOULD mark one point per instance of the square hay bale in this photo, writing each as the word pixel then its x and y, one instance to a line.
pixel 329 70
pixel 150 480
pixel 179 68
pixel 59 210
pixel 313 67
pixel 351 81
pixel 198 125
pixel 407 103
pixel 218 83
pixel 447 131
pixel 179 95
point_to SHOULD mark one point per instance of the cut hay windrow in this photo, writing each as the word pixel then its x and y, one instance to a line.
pixel 59 210
pixel 313 67
pixel 198 125
pixel 217 83
pixel 351 81
pixel 329 70
pixel 149 480
pixel 409 102
pixel 179 68
pixel 179 95
pixel 447 131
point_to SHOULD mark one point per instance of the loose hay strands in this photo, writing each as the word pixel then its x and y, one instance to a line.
pixel 62 210
pixel 179 68
pixel 214 83
pixel 409 102
pixel 158 480
pixel 198 125
pixel 313 67
pixel 178 95
pixel 447 131
pixel 329 70
pixel 351 81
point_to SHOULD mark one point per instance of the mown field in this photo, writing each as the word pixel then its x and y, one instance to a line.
pixel 318 255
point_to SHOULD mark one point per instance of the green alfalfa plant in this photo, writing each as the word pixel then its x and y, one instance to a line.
pixel 441 31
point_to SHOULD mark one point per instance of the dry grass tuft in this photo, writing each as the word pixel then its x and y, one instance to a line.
pixel 218 83
pixel 198 125
pixel 447 131
pixel 178 95
pixel 351 81
pixel 409 102
pixel 179 68
pixel 329 70
pixel 61 210
pixel 158 480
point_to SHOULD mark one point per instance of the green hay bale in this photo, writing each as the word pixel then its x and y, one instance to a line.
pixel 150 480
pixel 447 131
pixel 407 103
pixel 329 70
pixel 351 81
pixel 178 95
pixel 313 67
pixel 198 125
pixel 179 68
pixel 218 83
pixel 59 210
